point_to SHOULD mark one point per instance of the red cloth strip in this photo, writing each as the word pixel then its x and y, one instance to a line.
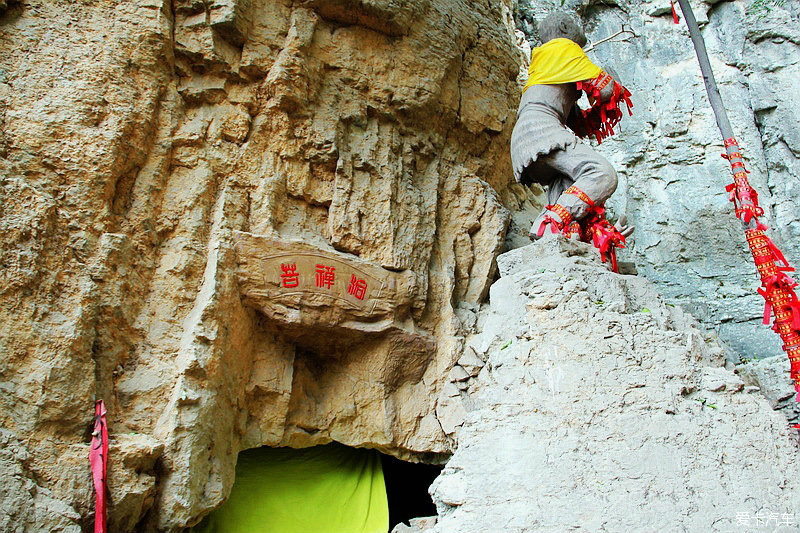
pixel 605 237
pixel 98 459
pixel 554 225
pixel 600 119
pixel 605 81
pixel 561 211
pixel 572 229
pixel 580 194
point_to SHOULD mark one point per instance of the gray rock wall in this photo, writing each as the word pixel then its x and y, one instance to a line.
pixel 603 408
pixel 672 177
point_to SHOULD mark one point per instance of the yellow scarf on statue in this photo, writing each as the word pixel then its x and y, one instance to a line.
pixel 560 61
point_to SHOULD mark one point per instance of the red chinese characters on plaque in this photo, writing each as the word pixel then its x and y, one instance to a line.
pixel 325 276
pixel 312 274
pixel 357 287
pixel 290 278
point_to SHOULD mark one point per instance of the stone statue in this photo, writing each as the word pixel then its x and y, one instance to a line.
pixel 545 144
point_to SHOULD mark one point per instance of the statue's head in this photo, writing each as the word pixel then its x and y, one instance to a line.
pixel 556 25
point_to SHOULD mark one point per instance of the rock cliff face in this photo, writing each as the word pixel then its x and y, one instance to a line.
pixel 672 180
pixel 140 141
pixel 603 408
pixel 272 222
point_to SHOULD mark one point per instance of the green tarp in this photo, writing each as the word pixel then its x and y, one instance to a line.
pixel 324 489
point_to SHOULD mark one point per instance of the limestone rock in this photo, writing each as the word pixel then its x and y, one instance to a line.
pixel 423 523
pixel 140 140
pixel 457 373
pixel 771 378
pixel 471 363
pixel 608 411
pixel 26 505
pixel 416 525
pixel 132 478
pixel 321 299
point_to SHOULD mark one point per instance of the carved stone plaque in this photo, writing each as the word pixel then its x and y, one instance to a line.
pixel 298 284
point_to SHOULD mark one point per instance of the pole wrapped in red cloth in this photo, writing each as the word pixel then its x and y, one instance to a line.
pixel 777 288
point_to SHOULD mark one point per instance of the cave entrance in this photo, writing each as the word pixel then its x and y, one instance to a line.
pixel 322 489
pixel 407 489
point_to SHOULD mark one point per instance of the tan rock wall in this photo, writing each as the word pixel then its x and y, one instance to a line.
pixel 137 137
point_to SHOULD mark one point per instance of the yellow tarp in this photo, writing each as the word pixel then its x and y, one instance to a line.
pixel 560 61
pixel 324 489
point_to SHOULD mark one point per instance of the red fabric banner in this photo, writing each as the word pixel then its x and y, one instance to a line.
pixel 98 459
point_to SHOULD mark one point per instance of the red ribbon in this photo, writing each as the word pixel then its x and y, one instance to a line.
pixel 778 255
pixel 594 228
pixel 606 238
pixel 554 225
pixel 600 119
pixel 675 18
pixel 98 459
pixel 603 235
pixel 572 189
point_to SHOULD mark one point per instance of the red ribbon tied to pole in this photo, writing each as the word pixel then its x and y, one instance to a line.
pixel 777 288
pixel 98 459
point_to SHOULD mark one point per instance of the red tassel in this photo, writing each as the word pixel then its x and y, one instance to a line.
pixel 675 18
pixel 601 118
pixel 778 255
pixel 767 310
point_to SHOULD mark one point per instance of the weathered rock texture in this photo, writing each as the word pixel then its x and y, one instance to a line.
pixel 771 376
pixel 604 408
pixel 138 137
pixel 672 178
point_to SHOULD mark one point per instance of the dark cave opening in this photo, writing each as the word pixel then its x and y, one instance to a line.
pixel 407 489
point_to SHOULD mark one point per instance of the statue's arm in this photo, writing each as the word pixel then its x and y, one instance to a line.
pixel 608 89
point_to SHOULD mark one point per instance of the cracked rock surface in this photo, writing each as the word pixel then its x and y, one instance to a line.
pixel 603 408
pixel 139 138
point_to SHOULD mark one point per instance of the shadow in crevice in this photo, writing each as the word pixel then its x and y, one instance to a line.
pixel 407 489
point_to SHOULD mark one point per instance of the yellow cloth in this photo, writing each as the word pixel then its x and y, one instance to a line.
pixel 560 61
pixel 324 489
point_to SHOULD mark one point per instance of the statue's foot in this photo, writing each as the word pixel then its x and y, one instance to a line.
pixel 550 221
